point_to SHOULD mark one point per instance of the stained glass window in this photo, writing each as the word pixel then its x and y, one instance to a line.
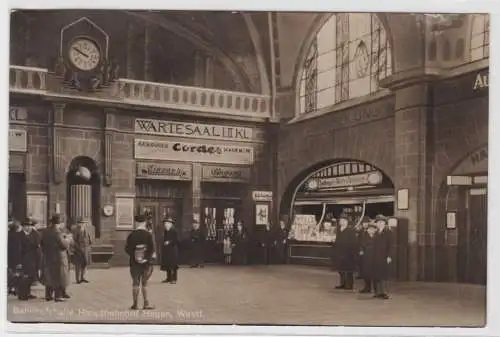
pixel 347 59
pixel 480 37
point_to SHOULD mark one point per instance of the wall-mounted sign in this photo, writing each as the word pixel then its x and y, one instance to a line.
pixel 124 210
pixel 193 152
pixel 18 140
pixel 262 195
pixel 481 81
pixel 192 130
pixel 226 174
pixel 369 178
pixel 37 203
pixel 165 171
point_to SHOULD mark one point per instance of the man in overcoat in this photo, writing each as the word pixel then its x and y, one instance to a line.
pixel 13 255
pixel 55 244
pixel 82 249
pixel 361 230
pixel 197 238
pixel 346 251
pixel 170 253
pixel 240 244
pixel 281 243
pixel 29 254
pixel 268 242
pixel 382 257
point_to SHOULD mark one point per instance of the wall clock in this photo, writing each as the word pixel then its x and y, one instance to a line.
pixel 84 54
pixel 108 210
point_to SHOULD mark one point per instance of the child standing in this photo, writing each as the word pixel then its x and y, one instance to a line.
pixel 228 248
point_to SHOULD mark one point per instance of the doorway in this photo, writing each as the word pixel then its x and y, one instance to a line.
pixel 219 216
pixel 17 196
pixel 476 241
pixel 156 211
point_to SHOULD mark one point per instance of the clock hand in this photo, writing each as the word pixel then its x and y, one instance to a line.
pixel 80 52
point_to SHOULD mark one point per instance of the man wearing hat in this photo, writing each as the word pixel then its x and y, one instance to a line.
pixel 29 254
pixel 346 251
pixel 361 229
pixel 240 244
pixel 197 244
pixel 367 256
pixel 169 253
pixel 382 256
pixel 55 244
pixel 82 249
pixel 140 248
pixel 13 255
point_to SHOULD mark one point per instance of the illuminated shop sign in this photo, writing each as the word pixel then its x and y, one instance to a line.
pixel 192 152
pixel 192 130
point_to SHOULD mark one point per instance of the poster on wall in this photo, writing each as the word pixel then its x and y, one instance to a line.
pixel 261 214
pixel 124 210
pixel 192 152
pixel 37 207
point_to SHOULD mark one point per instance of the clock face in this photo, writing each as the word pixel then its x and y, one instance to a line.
pixel 84 54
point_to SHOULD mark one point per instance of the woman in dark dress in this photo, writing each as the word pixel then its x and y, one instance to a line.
pixel 346 250
pixel 169 254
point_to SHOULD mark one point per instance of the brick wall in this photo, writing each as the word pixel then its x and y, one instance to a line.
pixel 364 133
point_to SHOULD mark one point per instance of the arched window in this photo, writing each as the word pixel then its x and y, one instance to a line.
pixel 347 59
pixel 480 37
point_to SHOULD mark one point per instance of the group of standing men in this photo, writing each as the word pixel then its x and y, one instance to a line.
pixel 44 255
pixel 366 249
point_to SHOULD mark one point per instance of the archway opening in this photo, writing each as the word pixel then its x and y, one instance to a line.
pixel 83 193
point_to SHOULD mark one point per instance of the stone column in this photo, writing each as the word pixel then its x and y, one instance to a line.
pixel 209 72
pixel 414 157
pixel 80 202
pixel 147 53
pixel 199 70
pixel 57 188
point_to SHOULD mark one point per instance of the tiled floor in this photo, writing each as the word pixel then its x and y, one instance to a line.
pixel 257 295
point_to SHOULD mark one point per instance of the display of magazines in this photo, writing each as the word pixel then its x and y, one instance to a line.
pixel 305 228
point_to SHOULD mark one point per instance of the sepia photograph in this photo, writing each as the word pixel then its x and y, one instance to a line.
pixel 195 167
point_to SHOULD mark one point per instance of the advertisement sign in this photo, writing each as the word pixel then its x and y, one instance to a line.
pixel 262 195
pixel 164 171
pixel 370 178
pixel 124 210
pixel 192 152
pixel 18 140
pixel 192 130
pixel 225 174
pixel 37 207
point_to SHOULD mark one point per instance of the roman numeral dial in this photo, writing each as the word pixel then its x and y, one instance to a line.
pixel 84 54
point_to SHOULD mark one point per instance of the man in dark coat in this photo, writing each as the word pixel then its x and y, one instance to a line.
pixel 170 253
pixel 29 254
pixel 197 238
pixel 81 249
pixel 268 243
pixel 55 244
pixel 13 255
pixel 360 232
pixel 140 248
pixel 381 257
pixel 281 243
pixel 240 244
pixel 346 251
pixel 367 256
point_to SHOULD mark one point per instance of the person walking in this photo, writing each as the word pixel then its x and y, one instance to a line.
pixel 169 255
pixel 346 249
pixel 140 249
pixel 55 244
pixel 82 249
pixel 197 238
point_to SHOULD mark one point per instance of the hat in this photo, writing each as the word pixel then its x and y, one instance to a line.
pixel 29 222
pixel 381 217
pixel 168 219
pixel 372 225
pixel 140 218
pixel 366 219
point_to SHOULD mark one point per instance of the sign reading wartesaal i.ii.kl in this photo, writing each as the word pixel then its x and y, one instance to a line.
pixel 193 152
pixel 192 130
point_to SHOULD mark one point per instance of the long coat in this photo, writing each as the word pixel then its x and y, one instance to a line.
pixel 55 246
pixel 82 245
pixel 14 249
pixel 29 254
pixel 170 251
pixel 197 244
pixel 240 242
pixel 281 245
pixel 346 250
pixel 376 250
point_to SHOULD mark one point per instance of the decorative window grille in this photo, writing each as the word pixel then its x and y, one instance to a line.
pixel 480 37
pixel 347 59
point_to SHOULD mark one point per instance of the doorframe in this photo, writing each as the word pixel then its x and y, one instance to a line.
pixel 477 190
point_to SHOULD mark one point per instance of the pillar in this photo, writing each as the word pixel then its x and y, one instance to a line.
pixel 414 157
pixel 209 72
pixel 57 188
pixel 199 70
pixel 147 54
